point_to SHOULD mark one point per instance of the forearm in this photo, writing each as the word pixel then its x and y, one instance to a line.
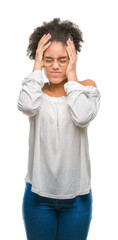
pixel 83 101
pixel 29 97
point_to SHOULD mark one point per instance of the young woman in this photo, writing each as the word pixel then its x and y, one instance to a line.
pixel 57 201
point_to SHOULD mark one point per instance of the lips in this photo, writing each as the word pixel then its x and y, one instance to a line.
pixel 55 73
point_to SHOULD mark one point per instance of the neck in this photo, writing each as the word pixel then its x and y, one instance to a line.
pixel 57 87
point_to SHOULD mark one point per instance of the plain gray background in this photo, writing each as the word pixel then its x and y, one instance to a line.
pixel 97 60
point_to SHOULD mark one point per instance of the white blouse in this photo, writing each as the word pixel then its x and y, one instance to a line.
pixel 58 163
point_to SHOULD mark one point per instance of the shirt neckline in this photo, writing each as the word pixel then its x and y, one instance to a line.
pixel 55 99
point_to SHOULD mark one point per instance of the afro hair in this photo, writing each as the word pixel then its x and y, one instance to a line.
pixel 60 31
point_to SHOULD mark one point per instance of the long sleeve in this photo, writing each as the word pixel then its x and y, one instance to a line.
pixel 83 101
pixel 29 96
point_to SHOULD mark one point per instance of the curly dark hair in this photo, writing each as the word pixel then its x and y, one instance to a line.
pixel 60 31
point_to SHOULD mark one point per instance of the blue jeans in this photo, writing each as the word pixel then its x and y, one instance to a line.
pixel 56 219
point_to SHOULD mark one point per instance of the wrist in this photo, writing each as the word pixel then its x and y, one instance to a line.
pixel 37 66
pixel 72 77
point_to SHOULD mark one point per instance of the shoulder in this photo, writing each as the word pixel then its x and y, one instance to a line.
pixel 88 82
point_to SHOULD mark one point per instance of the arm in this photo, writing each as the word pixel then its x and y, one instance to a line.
pixel 83 100
pixel 29 97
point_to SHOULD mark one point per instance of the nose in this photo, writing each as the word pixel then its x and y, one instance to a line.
pixel 55 64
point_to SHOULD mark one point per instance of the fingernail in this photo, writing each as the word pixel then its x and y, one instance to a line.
pixel 68 40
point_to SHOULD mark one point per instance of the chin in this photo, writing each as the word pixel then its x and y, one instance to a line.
pixel 56 79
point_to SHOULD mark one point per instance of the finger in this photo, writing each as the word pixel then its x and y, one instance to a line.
pixel 44 37
pixel 47 45
pixel 71 44
pixel 44 40
pixel 70 52
pixel 72 55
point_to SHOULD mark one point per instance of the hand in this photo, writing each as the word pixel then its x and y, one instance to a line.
pixel 42 46
pixel 73 58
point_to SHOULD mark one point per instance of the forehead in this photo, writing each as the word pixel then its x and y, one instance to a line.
pixel 56 49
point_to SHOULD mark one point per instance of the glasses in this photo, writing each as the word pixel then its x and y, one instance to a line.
pixel 48 61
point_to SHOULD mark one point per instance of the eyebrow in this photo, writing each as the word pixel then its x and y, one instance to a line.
pixel 59 57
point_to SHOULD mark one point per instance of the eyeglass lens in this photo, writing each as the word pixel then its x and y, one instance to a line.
pixel 48 60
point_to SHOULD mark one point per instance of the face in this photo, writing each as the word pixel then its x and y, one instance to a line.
pixel 56 50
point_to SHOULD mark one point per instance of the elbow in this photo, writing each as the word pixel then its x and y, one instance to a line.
pixel 83 120
pixel 25 105
pixel 27 110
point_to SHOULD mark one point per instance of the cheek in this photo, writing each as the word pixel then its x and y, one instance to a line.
pixel 64 71
pixel 65 68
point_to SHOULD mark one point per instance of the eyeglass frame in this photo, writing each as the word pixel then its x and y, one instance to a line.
pixel 55 58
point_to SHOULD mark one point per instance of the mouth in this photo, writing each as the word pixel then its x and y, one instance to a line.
pixel 55 73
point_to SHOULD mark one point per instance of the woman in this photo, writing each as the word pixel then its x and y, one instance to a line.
pixel 57 202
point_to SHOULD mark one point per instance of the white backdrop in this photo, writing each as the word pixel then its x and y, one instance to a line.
pixel 97 60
